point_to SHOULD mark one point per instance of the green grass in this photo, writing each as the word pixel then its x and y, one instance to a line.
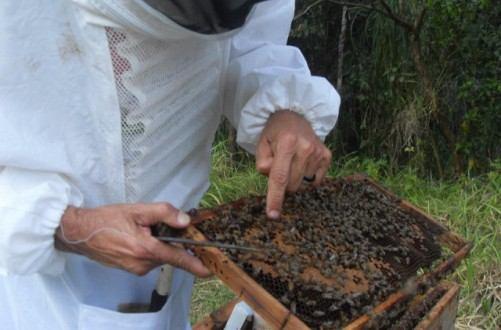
pixel 471 207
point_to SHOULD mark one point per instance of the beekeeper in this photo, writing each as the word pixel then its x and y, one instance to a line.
pixel 108 110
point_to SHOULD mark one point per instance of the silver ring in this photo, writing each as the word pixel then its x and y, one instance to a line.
pixel 309 178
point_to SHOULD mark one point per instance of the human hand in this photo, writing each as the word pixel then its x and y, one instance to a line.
pixel 120 236
pixel 288 151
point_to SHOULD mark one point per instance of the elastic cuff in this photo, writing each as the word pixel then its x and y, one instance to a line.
pixel 31 212
pixel 31 248
pixel 312 97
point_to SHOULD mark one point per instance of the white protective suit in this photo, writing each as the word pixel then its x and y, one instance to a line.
pixel 108 101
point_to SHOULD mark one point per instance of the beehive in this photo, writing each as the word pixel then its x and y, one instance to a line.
pixel 434 310
pixel 342 255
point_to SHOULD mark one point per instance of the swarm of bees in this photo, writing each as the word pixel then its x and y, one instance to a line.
pixel 337 251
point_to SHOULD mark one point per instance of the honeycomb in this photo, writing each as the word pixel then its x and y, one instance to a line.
pixel 337 251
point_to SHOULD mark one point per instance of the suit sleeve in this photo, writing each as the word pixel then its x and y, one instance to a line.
pixel 31 206
pixel 265 75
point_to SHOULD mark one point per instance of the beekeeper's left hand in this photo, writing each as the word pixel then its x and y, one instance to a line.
pixel 287 152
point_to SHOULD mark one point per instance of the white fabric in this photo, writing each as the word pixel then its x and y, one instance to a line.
pixel 42 198
pixel 264 76
pixel 77 128
pixel 238 315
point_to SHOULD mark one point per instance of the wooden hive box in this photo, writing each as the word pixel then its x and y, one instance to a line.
pixel 278 316
pixel 440 315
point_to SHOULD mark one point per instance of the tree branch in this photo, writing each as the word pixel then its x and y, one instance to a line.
pixel 307 9
pixel 352 4
pixel 399 20
pixel 386 11
pixel 342 35
pixel 419 21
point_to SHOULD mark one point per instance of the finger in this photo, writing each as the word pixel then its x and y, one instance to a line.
pixel 313 164
pixel 279 175
pixel 305 150
pixel 325 164
pixel 153 213
pixel 129 253
pixel 131 257
pixel 145 230
pixel 264 156
pixel 180 258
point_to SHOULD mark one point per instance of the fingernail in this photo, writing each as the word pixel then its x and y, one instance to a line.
pixel 273 214
pixel 183 218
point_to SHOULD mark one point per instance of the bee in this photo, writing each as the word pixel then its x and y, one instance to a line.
pixel 327 295
pixel 318 313
pixel 333 308
pixel 293 307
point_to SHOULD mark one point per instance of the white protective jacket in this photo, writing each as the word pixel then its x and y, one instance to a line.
pixel 108 101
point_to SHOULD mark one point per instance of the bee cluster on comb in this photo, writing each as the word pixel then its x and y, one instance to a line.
pixel 337 251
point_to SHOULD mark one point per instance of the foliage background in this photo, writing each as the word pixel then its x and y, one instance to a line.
pixel 386 108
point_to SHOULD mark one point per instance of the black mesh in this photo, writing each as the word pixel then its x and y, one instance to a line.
pixel 206 16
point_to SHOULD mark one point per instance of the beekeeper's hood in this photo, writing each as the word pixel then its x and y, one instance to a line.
pixel 196 17
pixel 206 16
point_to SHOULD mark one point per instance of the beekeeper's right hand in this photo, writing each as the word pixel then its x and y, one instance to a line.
pixel 119 236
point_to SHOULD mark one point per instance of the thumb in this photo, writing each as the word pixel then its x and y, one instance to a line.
pixel 154 213
pixel 264 157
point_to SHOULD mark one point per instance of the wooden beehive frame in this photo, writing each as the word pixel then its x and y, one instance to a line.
pixel 440 316
pixel 443 314
pixel 276 314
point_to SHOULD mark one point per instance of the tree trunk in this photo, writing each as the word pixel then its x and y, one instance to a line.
pixel 342 36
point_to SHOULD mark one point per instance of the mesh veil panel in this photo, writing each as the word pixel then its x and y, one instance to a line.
pixel 128 103
pixel 167 93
